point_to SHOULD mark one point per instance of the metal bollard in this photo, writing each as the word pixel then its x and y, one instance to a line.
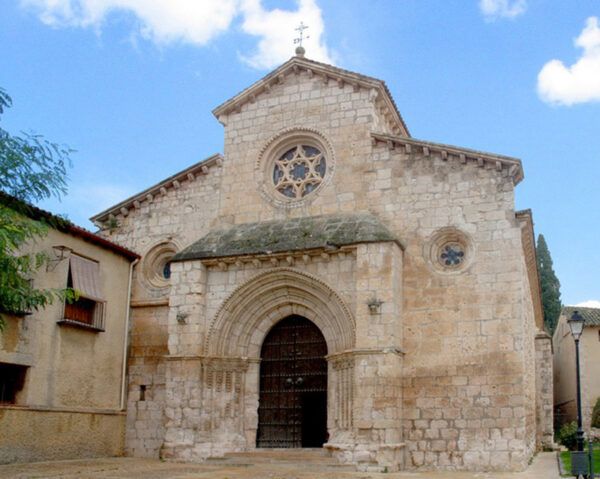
pixel 579 463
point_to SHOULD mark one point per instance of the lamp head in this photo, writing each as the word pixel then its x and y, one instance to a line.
pixel 576 323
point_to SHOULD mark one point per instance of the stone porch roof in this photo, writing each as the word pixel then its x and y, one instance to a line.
pixel 296 234
pixel 590 315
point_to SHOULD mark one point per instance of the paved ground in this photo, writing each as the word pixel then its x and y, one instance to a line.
pixel 544 466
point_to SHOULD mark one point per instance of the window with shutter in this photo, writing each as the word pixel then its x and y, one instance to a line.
pixel 88 309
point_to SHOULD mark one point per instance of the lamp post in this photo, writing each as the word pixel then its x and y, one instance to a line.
pixel 576 325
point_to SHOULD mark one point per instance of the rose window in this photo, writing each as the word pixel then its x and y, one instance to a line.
pixel 157 265
pixel 299 171
pixel 449 251
pixel 452 254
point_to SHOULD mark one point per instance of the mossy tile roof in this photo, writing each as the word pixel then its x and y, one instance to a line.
pixel 296 234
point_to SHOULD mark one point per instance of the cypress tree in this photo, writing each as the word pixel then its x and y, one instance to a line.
pixel 550 285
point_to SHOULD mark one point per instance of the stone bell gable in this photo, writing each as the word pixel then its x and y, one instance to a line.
pixel 326 227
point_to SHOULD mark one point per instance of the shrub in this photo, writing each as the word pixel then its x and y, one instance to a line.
pixel 567 435
pixel 596 414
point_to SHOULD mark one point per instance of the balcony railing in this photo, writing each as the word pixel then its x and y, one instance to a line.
pixel 84 313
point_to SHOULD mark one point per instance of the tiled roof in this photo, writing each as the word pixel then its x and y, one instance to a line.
pixel 297 234
pixel 590 315
pixel 63 225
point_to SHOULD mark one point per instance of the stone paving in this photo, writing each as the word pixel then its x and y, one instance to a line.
pixel 544 466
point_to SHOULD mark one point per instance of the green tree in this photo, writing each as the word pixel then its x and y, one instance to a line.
pixel 596 414
pixel 550 285
pixel 31 169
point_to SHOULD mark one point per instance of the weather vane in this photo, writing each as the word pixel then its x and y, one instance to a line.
pixel 298 41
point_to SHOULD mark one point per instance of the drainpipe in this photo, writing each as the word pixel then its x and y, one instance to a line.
pixel 126 335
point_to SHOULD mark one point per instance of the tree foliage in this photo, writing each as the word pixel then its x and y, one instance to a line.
pixel 31 169
pixel 550 285
pixel 596 414
pixel 567 436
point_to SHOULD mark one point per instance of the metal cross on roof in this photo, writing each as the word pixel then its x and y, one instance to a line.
pixel 300 30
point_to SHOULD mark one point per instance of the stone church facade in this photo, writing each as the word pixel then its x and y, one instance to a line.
pixel 330 281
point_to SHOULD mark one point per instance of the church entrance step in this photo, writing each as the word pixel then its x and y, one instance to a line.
pixel 303 457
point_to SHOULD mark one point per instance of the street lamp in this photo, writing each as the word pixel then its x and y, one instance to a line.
pixel 576 325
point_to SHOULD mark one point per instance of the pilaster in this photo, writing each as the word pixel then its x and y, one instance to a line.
pixel 544 391
pixel 187 322
pixel 370 376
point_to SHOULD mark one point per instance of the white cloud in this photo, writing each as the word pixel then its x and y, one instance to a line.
pixel 277 31
pixel 493 9
pixel 198 22
pixel 580 82
pixel 592 303
pixel 162 21
pixel 86 199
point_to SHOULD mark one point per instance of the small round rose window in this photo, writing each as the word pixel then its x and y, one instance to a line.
pixel 449 251
pixel 452 255
pixel 299 171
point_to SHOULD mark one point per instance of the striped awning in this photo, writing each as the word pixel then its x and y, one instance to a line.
pixel 85 274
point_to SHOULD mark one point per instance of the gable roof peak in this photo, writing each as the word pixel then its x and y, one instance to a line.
pixel 300 64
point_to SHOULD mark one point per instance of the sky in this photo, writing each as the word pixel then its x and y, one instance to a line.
pixel 130 85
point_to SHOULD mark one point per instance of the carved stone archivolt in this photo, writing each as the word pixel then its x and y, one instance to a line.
pixel 246 316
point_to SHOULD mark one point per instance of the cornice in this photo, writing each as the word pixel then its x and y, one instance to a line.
pixel 159 189
pixel 326 73
pixel 274 260
pixel 510 166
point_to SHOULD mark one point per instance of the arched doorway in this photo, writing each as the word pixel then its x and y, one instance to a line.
pixel 292 408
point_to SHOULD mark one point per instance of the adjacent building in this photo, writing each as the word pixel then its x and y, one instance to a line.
pixel 62 368
pixel 565 378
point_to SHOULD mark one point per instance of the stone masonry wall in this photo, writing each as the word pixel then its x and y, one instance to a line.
pixel 213 410
pixel 178 217
pixel 530 331
pixel 544 390
pixel 475 321
pixel 216 284
pixel 344 116
pixel 465 335
pixel 146 382
pixel 473 325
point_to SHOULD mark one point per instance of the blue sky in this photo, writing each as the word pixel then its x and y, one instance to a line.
pixel 130 85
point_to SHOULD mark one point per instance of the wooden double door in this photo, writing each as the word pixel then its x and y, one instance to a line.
pixel 292 410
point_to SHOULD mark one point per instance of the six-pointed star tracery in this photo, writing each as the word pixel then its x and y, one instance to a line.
pixel 299 171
